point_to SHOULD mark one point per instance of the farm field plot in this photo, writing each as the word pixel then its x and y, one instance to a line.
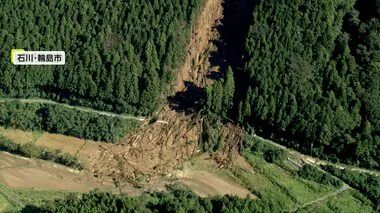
pixel 205 183
pixel 19 172
pixel 20 136
pixel 21 175
pixel 66 144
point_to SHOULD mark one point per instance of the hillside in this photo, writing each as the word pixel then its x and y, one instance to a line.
pixel 121 55
pixel 208 105
pixel 310 79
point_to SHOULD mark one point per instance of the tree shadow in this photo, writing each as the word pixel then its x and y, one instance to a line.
pixel 214 75
pixel 189 100
pixel 30 209
pixel 233 30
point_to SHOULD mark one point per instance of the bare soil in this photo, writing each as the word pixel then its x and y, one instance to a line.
pixel 205 184
pixel 197 65
pixel 22 173
pixel 16 172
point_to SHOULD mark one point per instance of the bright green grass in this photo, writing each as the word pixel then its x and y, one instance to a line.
pixel 5 205
pixel 280 184
pixel 38 197
pixel 347 202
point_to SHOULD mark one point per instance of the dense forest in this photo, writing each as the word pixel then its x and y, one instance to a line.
pixel 311 78
pixel 58 119
pixel 120 55
pixel 177 200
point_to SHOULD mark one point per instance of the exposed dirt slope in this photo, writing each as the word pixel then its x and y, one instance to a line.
pixel 196 66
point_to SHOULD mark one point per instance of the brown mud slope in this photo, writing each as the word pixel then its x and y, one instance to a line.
pixel 197 65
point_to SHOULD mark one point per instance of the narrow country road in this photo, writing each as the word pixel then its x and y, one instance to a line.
pixel 82 109
pixel 342 189
pixel 315 161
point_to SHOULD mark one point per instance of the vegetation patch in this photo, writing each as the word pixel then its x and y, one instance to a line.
pixel 32 151
pixel 176 200
pixel 58 119
pixel 366 183
pixel 350 201
pixel 4 204
pixel 280 185
pixel 312 173
pixel 38 198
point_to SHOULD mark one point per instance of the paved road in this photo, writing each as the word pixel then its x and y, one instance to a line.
pixel 315 161
pixel 83 109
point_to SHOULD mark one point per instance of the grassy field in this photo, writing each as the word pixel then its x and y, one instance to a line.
pixel 20 136
pixel 28 197
pixel 348 201
pixel 270 181
pixel 38 197
pixel 278 184
pixel 5 205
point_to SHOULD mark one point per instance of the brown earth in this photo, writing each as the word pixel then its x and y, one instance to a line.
pixel 23 173
pixel 16 172
pixel 205 184
pixel 197 65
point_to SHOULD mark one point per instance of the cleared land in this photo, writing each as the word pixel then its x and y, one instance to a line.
pixel 66 144
pixel 205 183
pixel 21 173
